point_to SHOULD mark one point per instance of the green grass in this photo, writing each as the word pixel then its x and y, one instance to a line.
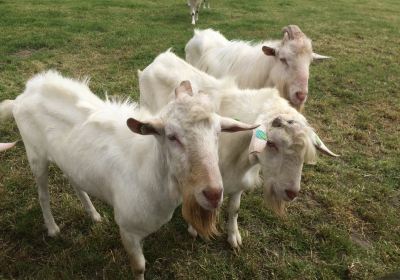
pixel 345 225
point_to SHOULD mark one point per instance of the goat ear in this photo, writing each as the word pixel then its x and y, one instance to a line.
pixel 184 88
pixel 321 146
pixel 154 127
pixel 231 125
pixel 316 56
pixel 6 146
pixel 269 51
pixel 258 142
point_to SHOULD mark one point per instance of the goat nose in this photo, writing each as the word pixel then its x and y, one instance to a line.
pixel 213 196
pixel 291 194
pixel 301 95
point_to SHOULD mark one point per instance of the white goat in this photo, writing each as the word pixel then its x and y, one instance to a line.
pixel 283 64
pixel 194 6
pixel 206 4
pixel 278 147
pixel 144 178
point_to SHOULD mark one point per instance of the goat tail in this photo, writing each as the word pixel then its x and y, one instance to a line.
pixel 6 109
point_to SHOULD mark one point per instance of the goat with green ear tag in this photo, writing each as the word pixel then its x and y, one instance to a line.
pixel 278 148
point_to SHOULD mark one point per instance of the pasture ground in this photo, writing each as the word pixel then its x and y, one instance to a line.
pixel 345 225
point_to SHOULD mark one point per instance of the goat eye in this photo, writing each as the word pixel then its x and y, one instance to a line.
pixel 173 138
pixel 284 61
pixel 272 145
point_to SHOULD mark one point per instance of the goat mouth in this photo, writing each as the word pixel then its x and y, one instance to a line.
pixel 296 102
pixel 210 206
pixel 287 199
pixel 279 195
pixel 213 206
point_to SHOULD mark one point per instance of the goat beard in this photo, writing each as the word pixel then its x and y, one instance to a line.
pixel 204 221
pixel 275 203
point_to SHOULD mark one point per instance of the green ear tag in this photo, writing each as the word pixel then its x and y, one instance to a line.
pixel 261 135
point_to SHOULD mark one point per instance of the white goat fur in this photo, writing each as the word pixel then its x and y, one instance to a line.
pixel 142 177
pixel 246 62
pixel 281 171
pixel 206 4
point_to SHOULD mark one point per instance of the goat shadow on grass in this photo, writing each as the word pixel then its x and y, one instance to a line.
pixel 86 245
pixel 168 246
pixel 29 226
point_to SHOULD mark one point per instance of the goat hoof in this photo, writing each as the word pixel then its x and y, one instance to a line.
pixel 235 240
pixel 192 231
pixel 52 232
pixel 139 276
pixel 96 218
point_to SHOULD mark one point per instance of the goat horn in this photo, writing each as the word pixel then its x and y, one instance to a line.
pixel 319 56
pixel 321 146
pixel 293 32
pixel 5 146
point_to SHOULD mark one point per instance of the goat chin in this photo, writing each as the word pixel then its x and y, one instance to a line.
pixel 204 221
pixel 274 202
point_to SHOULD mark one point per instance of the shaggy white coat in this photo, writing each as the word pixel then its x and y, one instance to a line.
pixel 142 171
pixel 285 66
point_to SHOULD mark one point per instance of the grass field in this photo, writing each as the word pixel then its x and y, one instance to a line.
pixel 346 223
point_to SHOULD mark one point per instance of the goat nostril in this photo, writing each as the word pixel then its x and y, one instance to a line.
pixel 291 194
pixel 301 95
pixel 212 194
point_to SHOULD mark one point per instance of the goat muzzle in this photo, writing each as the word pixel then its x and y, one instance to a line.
pixel 213 196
